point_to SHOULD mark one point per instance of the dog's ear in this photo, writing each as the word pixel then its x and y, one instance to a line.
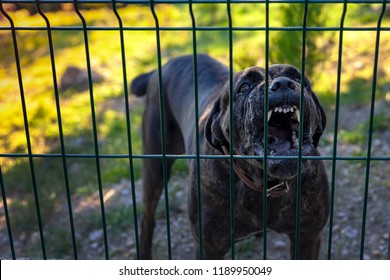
pixel 321 120
pixel 213 130
pixel 321 116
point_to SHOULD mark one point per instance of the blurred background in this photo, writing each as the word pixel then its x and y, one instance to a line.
pixel 322 47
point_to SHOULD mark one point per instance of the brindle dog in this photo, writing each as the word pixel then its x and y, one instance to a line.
pixel 284 116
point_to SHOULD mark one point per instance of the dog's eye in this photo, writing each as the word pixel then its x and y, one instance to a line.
pixel 245 88
pixel 298 80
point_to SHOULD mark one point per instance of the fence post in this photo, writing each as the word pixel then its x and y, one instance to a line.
pixel 61 134
pixel 7 219
pixel 128 125
pixel 162 125
pixel 197 144
pixel 94 126
pixel 336 125
pixel 370 129
pixel 27 130
pixel 231 131
pixel 266 109
pixel 302 113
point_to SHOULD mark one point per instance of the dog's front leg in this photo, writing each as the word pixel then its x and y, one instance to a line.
pixel 309 247
pixel 211 252
pixel 215 239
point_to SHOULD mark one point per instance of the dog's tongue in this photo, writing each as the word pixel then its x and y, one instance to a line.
pixel 279 145
pixel 278 140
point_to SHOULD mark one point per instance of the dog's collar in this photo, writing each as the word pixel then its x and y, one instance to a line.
pixel 274 191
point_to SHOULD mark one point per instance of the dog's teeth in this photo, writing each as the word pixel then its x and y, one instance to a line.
pixel 295 139
pixel 269 114
pixel 297 113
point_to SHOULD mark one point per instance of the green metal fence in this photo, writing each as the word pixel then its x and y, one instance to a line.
pixel 12 31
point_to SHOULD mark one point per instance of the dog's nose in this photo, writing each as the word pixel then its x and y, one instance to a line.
pixel 282 83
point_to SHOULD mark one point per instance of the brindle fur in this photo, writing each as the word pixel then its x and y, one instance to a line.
pixel 213 90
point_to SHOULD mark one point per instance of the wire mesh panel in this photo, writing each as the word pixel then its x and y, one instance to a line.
pixel 71 141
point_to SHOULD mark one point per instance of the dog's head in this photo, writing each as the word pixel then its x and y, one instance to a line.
pixel 284 91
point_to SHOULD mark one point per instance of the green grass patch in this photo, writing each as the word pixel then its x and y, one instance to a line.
pixel 359 135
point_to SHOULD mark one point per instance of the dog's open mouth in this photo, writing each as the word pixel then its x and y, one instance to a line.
pixel 283 129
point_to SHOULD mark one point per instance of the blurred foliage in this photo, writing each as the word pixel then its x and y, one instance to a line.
pixel 318 45
pixel 140 50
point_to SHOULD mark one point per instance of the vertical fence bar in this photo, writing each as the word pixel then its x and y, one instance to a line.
pixel 94 126
pixel 231 129
pixel 266 107
pixel 197 144
pixel 27 130
pixel 128 125
pixel 6 213
pixel 336 129
pixel 61 134
pixel 301 108
pixel 162 125
pixel 388 248
pixel 371 125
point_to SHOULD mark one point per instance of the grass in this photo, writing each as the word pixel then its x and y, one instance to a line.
pixel 140 49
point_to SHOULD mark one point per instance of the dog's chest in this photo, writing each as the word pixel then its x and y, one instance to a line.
pixel 250 213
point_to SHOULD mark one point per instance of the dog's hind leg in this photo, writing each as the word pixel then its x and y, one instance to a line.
pixel 152 168
pixel 153 182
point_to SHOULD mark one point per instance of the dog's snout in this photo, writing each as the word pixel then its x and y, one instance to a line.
pixel 282 83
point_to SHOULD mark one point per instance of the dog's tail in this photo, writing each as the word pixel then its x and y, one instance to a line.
pixel 140 84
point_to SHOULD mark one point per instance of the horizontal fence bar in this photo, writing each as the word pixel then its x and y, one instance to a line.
pixel 145 2
pixel 141 156
pixel 199 28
